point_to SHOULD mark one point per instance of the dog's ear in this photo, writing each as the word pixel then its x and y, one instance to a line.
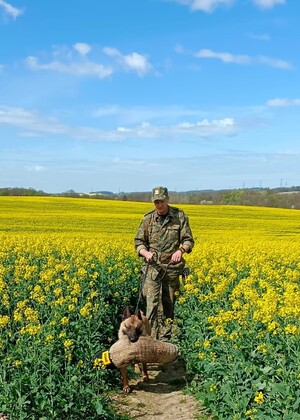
pixel 138 313
pixel 126 313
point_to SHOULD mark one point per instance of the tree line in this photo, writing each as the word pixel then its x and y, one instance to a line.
pixel 266 197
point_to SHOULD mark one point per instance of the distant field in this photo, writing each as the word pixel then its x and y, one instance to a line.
pixel 101 217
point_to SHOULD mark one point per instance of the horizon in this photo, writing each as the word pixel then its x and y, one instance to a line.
pixel 294 188
pixel 191 94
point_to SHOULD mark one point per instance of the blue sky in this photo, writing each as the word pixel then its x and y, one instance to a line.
pixel 124 95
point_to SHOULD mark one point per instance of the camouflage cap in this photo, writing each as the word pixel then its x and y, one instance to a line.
pixel 159 193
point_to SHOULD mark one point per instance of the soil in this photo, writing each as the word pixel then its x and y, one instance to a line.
pixel 162 397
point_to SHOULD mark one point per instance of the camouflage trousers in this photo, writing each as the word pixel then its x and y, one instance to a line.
pixel 160 289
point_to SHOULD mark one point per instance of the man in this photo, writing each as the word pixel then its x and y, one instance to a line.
pixel 163 237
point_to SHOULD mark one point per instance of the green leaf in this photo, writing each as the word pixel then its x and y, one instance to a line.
pixel 99 407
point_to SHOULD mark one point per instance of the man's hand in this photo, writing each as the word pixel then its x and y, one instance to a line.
pixel 146 254
pixel 176 257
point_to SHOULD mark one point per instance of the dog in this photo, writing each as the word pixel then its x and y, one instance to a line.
pixel 131 328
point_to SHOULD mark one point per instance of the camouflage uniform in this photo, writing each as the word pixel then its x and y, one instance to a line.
pixel 163 238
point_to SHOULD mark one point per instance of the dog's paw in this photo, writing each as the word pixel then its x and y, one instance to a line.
pixel 127 389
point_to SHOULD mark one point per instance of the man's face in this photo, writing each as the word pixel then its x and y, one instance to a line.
pixel 161 206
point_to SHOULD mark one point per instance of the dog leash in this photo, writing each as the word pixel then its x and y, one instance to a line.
pixel 143 282
pixel 142 286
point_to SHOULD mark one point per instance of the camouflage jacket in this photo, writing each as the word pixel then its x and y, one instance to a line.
pixel 164 238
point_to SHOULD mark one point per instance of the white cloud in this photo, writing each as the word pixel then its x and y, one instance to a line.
pixel 124 130
pixel 82 48
pixel 133 61
pixel 283 102
pixel 21 118
pixel 85 68
pixel 10 10
pixel 31 123
pixel 268 4
pixel 274 62
pixel 226 57
pixel 204 5
pixel 209 6
pixel 183 130
pixel 74 61
pixel 208 128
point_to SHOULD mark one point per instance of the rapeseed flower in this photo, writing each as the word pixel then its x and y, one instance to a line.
pixel 4 320
pixel 65 320
pixel 259 398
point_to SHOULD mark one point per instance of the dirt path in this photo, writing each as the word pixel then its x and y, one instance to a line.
pixel 162 397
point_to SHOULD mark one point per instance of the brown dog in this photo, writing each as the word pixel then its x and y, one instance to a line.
pixel 131 328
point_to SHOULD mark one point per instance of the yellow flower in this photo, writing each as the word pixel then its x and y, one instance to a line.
pixel 206 344
pixel 4 320
pixel 5 300
pixel 81 272
pixel 259 397
pixel 181 300
pixel 272 326
pixel 17 363
pixel 168 321
pixel 31 329
pixel 68 344
pixel 57 291
pixel 49 338
pixel 31 315
pixel 60 301
pixel 18 316
pixel 98 363
pixel 291 329
pixel 65 320
pixel 263 348
pixel 220 331
pixel 93 294
pixel 233 336
pixel 76 290
pixel 250 412
pixel 85 311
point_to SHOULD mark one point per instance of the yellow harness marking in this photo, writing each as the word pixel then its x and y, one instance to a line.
pixel 105 358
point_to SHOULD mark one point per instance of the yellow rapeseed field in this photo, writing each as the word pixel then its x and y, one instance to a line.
pixel 64 261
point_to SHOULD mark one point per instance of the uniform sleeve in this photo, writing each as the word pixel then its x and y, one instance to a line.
pixel 186 236
pixel 141 240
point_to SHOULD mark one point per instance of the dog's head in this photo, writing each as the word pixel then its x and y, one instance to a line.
pixel 132 326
